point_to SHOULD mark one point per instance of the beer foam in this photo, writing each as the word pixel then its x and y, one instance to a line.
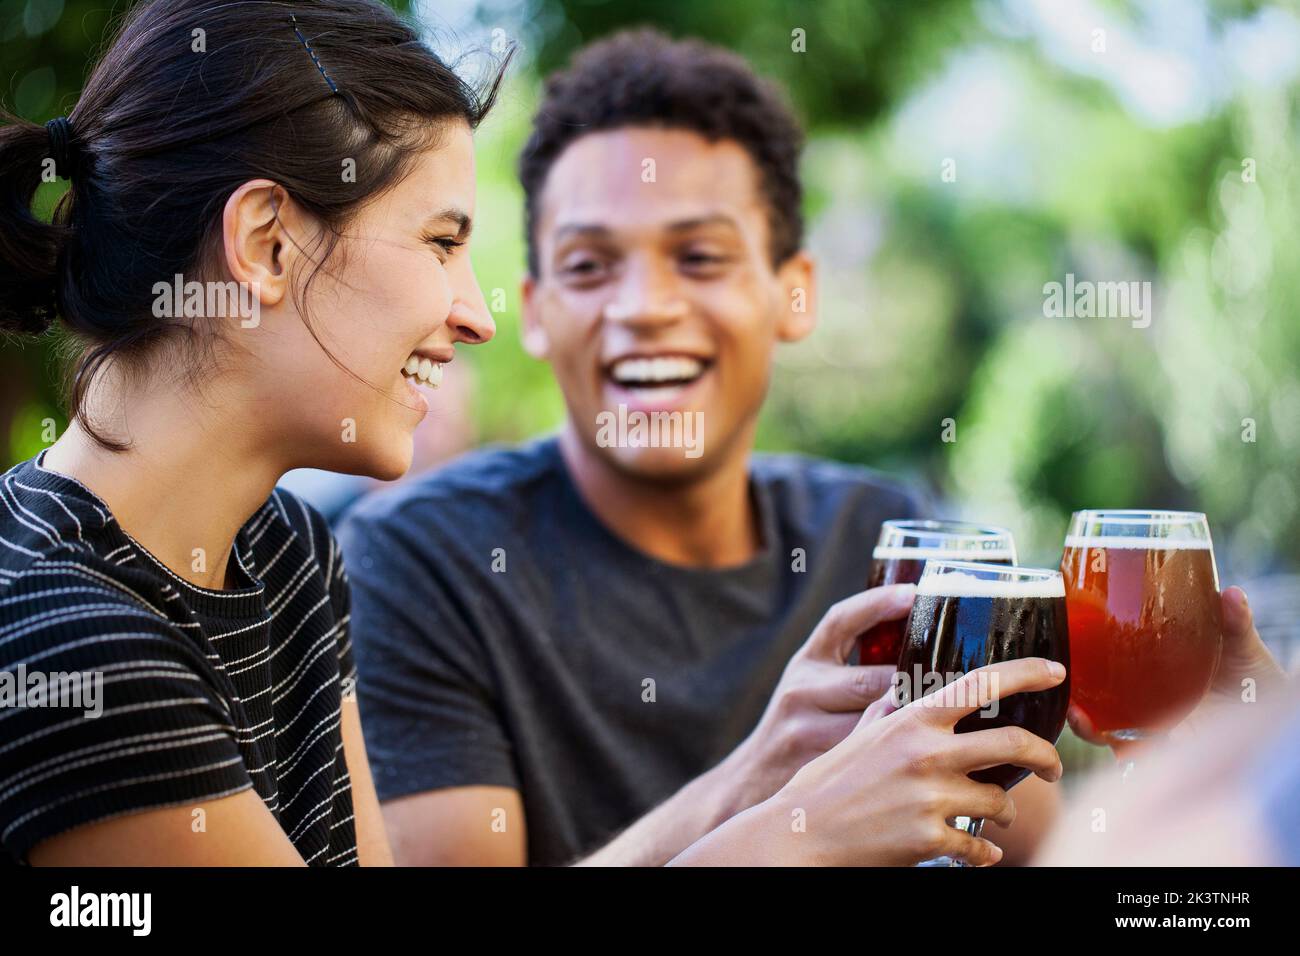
pixel 892 552
pixel 1135 544
pixel 964 584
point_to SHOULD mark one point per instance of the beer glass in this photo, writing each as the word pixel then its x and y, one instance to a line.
pixel 1142 592
pixel 900 555
pixel 968 615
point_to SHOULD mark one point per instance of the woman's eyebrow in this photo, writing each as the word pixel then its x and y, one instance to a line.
pixel 461 218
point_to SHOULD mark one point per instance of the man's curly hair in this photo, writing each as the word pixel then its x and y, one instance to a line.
pixel 644 78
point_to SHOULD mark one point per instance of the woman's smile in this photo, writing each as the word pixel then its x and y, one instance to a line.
pixel 423 367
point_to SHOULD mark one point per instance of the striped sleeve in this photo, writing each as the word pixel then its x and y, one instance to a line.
pixel 106 708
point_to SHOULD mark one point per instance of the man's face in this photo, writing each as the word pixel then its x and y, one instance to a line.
pixel 656 290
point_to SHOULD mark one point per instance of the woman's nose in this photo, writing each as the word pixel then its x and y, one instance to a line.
pixel 471 326
pixel 471 320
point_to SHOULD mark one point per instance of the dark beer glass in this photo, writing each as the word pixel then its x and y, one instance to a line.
pixel 968 615
pixel 900 556
pixel 1145 620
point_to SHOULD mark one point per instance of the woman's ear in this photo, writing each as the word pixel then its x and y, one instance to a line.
pixel 536 342
pixel 257 245
pixel 797 316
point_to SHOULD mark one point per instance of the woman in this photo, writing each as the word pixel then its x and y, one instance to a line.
pixel 294 155
pixel 262 251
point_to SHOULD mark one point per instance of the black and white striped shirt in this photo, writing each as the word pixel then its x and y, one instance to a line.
pixel 204 693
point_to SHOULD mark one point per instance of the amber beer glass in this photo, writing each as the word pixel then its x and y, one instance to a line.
pixel 900 556
pixel 1142 594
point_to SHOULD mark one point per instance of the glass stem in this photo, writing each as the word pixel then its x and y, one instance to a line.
pixel 972 825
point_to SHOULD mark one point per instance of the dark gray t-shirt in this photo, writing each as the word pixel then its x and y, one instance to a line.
pixel 504 636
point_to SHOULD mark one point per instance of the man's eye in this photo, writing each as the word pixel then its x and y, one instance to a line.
pixel 702 260
pixel 582 268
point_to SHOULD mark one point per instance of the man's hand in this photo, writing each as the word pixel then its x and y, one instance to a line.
pixel 819 699
pixel 1244 657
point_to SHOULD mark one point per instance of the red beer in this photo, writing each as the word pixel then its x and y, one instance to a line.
pixel 1142 595
pixel 900 556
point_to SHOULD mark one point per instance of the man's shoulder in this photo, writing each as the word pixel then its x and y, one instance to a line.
pixel 489 484
pixel 819 490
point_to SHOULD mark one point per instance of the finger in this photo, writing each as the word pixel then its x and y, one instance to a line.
pixel 981 749
pixel 831 729
pixel 976 689
pixel 982 800
pixel 882 707
pixel 838 688
pixel 838 630
pixel 1082 726
pixel 974 851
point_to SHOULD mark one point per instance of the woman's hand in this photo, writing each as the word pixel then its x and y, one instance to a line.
pixel 883 795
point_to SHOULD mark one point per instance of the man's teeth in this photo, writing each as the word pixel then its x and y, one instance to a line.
pixel 677 368
pixel 423 370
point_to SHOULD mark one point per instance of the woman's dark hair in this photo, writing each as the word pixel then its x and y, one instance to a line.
pixel 192 99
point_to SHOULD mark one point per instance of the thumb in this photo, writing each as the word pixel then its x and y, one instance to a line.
pixel 1082 726
pixel 1244 653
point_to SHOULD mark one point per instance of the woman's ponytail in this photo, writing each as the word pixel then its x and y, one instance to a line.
pixel 29 248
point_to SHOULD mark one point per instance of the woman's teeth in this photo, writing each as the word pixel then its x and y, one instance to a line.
pixel 656 371
pixel 424 371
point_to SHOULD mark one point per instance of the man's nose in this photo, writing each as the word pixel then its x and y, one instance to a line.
pixel 646 296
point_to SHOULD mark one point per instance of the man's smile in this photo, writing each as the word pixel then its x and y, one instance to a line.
pixel 658 380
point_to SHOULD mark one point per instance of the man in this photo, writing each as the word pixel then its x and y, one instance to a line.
pixel 583 635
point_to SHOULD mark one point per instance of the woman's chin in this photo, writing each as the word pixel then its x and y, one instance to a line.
pixel 376 446
pixel 393 463
pixel 383 461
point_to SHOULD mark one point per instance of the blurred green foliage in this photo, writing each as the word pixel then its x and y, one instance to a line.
pixel 1167 156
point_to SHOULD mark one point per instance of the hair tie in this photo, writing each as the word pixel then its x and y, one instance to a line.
pixel 312 53
pixel 62 149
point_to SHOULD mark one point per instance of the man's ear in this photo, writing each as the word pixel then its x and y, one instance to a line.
pixel 798 313
pixel 536 342
pixel 257 246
